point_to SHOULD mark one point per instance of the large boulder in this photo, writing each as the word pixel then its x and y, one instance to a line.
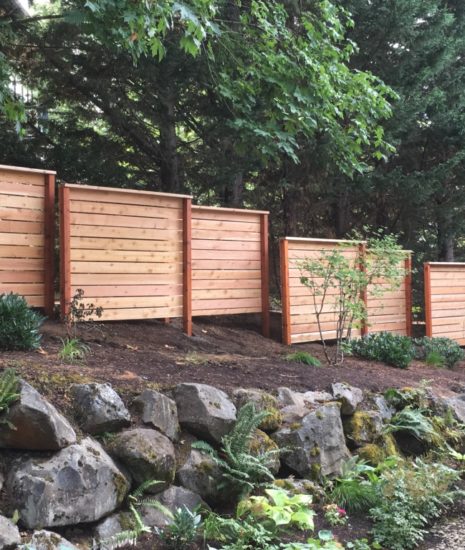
pixel 201 475
pixel 33 424
pixel 316 445
pixel 457 405
pixel 79 484
pixel 363 427
pixel 264 402
pixel 173 499
pixel 261 443
pixel 9 534
pixel 160 412
pixel 349 396
pixel 147 455
pixel 308 399
pixel 99 408
pixel 205 411
pixel 47 540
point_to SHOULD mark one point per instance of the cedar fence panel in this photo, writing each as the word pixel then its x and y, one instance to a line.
pixel 126 250
pixel 230 262
pixel 389 312
pixel 27 234
pixel 445 300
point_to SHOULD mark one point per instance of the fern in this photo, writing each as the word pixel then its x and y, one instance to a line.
pixel 241 470
pixel 9 387
pixel 143 488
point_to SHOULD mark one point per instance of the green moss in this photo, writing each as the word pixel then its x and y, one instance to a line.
pixel 295 426
pixel 372 453
pixel 319 415
pixel 389 445
pixel 361 428
pixel 121 485
pixel 262 443
pixel 315 451
pixel 315 471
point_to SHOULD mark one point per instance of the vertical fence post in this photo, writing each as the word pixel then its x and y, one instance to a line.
pixel 265 267
pixel 428 316
pixel 187 265
pixel 408 294
pixel 285 303
pixel 65 260
pixel 49 245
pixel 362 254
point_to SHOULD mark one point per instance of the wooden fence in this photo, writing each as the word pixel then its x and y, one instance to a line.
pixel 389 312
pixel 27 234
pixel 230 262
pixel 445 300
pixel 141 255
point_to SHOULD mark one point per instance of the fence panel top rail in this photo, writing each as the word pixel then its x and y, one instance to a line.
pixel 26 234
pixel 445 300
pixel 389 312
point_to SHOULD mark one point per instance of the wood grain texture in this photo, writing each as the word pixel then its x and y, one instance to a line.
pixel 187 266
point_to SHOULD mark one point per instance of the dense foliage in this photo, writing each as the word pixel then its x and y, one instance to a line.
pixel 393 349
pixel 441 352
pixel 19 324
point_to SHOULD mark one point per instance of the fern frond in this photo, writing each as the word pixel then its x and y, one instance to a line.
pixel 143 488
pixel 152 503
pixel 9 383
pixel 204 447
pixel 248 420
pixel 120 539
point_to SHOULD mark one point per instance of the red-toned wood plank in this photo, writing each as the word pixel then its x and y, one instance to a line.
pixel 65 261
pixel 427 283
pixel 286 307
pixel 408 295
pixel 187 265
pixel 362 250
pixel 265 267
pixel 49 244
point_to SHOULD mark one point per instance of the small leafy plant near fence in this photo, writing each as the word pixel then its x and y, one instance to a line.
pixel 339 283
pixel 19 324
pixel 392 349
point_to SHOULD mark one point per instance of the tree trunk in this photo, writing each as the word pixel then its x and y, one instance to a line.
pixel 234 192
pixel 446 239
pixel 169 165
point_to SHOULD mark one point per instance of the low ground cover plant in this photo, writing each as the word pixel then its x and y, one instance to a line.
pixel 9 392
pixel 439 352
pixel 303 357
pixel 19 324
pixel 392 349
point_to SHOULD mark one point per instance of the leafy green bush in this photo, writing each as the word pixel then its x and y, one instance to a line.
pixel 416 423
pixel 411 495
pixel 441 352
pixel 303 357
pixel 393 349
pixel 183 530
pixel 19 325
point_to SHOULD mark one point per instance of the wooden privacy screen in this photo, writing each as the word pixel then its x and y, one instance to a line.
pixel 445 300
pixel 144 255
pixel 230 262
pixel 27 234
pixel 124 249
pixel 389 312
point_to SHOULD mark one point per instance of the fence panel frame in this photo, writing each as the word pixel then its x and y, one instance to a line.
pixel 49 177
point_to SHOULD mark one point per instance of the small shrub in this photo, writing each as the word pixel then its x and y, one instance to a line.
pixel 393 349
pixel 303 357
pixel 73 350
pixel 183 529
pixel 440 352
pixel 19 325
pixel 416 423
pixel 9 387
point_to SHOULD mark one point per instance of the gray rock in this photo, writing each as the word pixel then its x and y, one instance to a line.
pixel 205 411
pixel 79 484
pixel 172 499
pixel 301 487
pixel 99 408
pixel 159 411
pixel 317 397
pixel 9 534
pixel 383 407
pixel 201 475
pixel 38 426
pixel 316 446
pixel 264 402
pixel 112 525
pixel 147 455
pixel 349 396
pixel 363 427
pixel 46 540
pixel 309 399
pixel 457 405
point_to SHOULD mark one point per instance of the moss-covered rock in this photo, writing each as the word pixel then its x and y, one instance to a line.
pixel 375 453
pixel 263 402
pixel 362 428
pixel 262 443
pixel 301 486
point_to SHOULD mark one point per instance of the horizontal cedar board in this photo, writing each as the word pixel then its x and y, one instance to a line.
pixel 449 287
pixel 24 289
pixel 440 315
pixel 218 294
pixel 31 228
pixel 128 290
pixel 452 298
pixel 455 275
pixel 125 233
pixel 218 283
pixel 35 301
pixel 298 255
pixel 315 336
pixel 26 264
pixel 311 317
pixel 139 313
pixel 125 302
pixel 223 215
pixel 82 280
pixel 203 244
pixel 401 331
pixel 94 243
pixel 21 251
pixel 452 327
pixel 208 234
pixel 234 303
pixel 104 208
pixel 226 255
pixel 22 240
pixel 29 203
pixel 225 311
pixel 312 327
pixel 20 277
pixel 217 225
pixel 125 256
pixel 15 188
pixel 125 221
pixel 20 214
pixel 230 274
pixel 124 267
pixel 225 265
pixel 131 198
pixel 29 176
